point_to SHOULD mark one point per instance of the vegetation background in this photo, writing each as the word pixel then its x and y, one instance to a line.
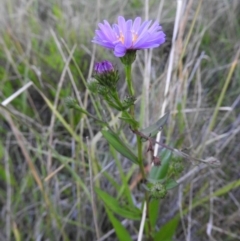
pixel 51 158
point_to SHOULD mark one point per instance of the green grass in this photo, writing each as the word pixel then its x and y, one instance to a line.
pixel 51 157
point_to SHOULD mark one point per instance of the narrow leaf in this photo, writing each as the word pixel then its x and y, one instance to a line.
pixel 154 211
pixel 129 121
pixel 113 205
pixel 167 230
pixel 116 142
pixel 152 130
pixel 120 230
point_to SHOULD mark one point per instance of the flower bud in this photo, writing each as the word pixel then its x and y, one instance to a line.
pixel 103 67
pixel 70 102
pixel 102 90
pixel 158 190
pixel 128 101
pixel 178 166
pixel 106 75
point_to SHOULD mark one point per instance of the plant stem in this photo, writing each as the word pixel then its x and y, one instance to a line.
pixel 140 159
pixel 141 165
pixel 128 71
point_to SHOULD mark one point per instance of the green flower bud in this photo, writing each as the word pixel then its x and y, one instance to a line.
pixel 178 166
pixel 70 102
pixel 128 101
pixel 158 191
pixel 102 90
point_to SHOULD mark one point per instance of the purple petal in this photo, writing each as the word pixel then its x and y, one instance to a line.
pixel 129 24
pixel 121 24
pixel 100 34
pixel 144 27
pixel 154 27
pixel 119 50
pixel 105 31
pixel 104 44
pixel 103 67
pixel 136 24
pixel 128 39
pixel 109 29
pixel 141 41
pixel 116 30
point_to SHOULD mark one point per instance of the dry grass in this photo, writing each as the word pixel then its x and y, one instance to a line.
pixel 51 159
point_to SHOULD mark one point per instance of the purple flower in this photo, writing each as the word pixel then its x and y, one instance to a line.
pixel 103 67
pixel 129 35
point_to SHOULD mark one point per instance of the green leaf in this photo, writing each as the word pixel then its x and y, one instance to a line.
pixel 160 172
pixel 113 205
pixel 167 231
pixel 154 181
pixel 153 211
pixel 170 184
pixel 120 230
pixel 116 142
pixel 152 130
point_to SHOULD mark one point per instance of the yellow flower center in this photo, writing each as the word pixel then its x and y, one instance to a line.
pixel 134 37
pixel 121 38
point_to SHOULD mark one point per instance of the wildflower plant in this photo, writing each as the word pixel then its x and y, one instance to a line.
pixel 125 38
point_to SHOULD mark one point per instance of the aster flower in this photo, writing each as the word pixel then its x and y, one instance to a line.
pixel 129 35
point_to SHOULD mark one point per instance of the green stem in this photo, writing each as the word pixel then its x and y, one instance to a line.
pixel 128 71
pixel 140 159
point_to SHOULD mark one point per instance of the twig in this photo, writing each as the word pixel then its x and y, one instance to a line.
pixel 211 160
pixel 220 230
pixel 140 234
pixel 17 93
